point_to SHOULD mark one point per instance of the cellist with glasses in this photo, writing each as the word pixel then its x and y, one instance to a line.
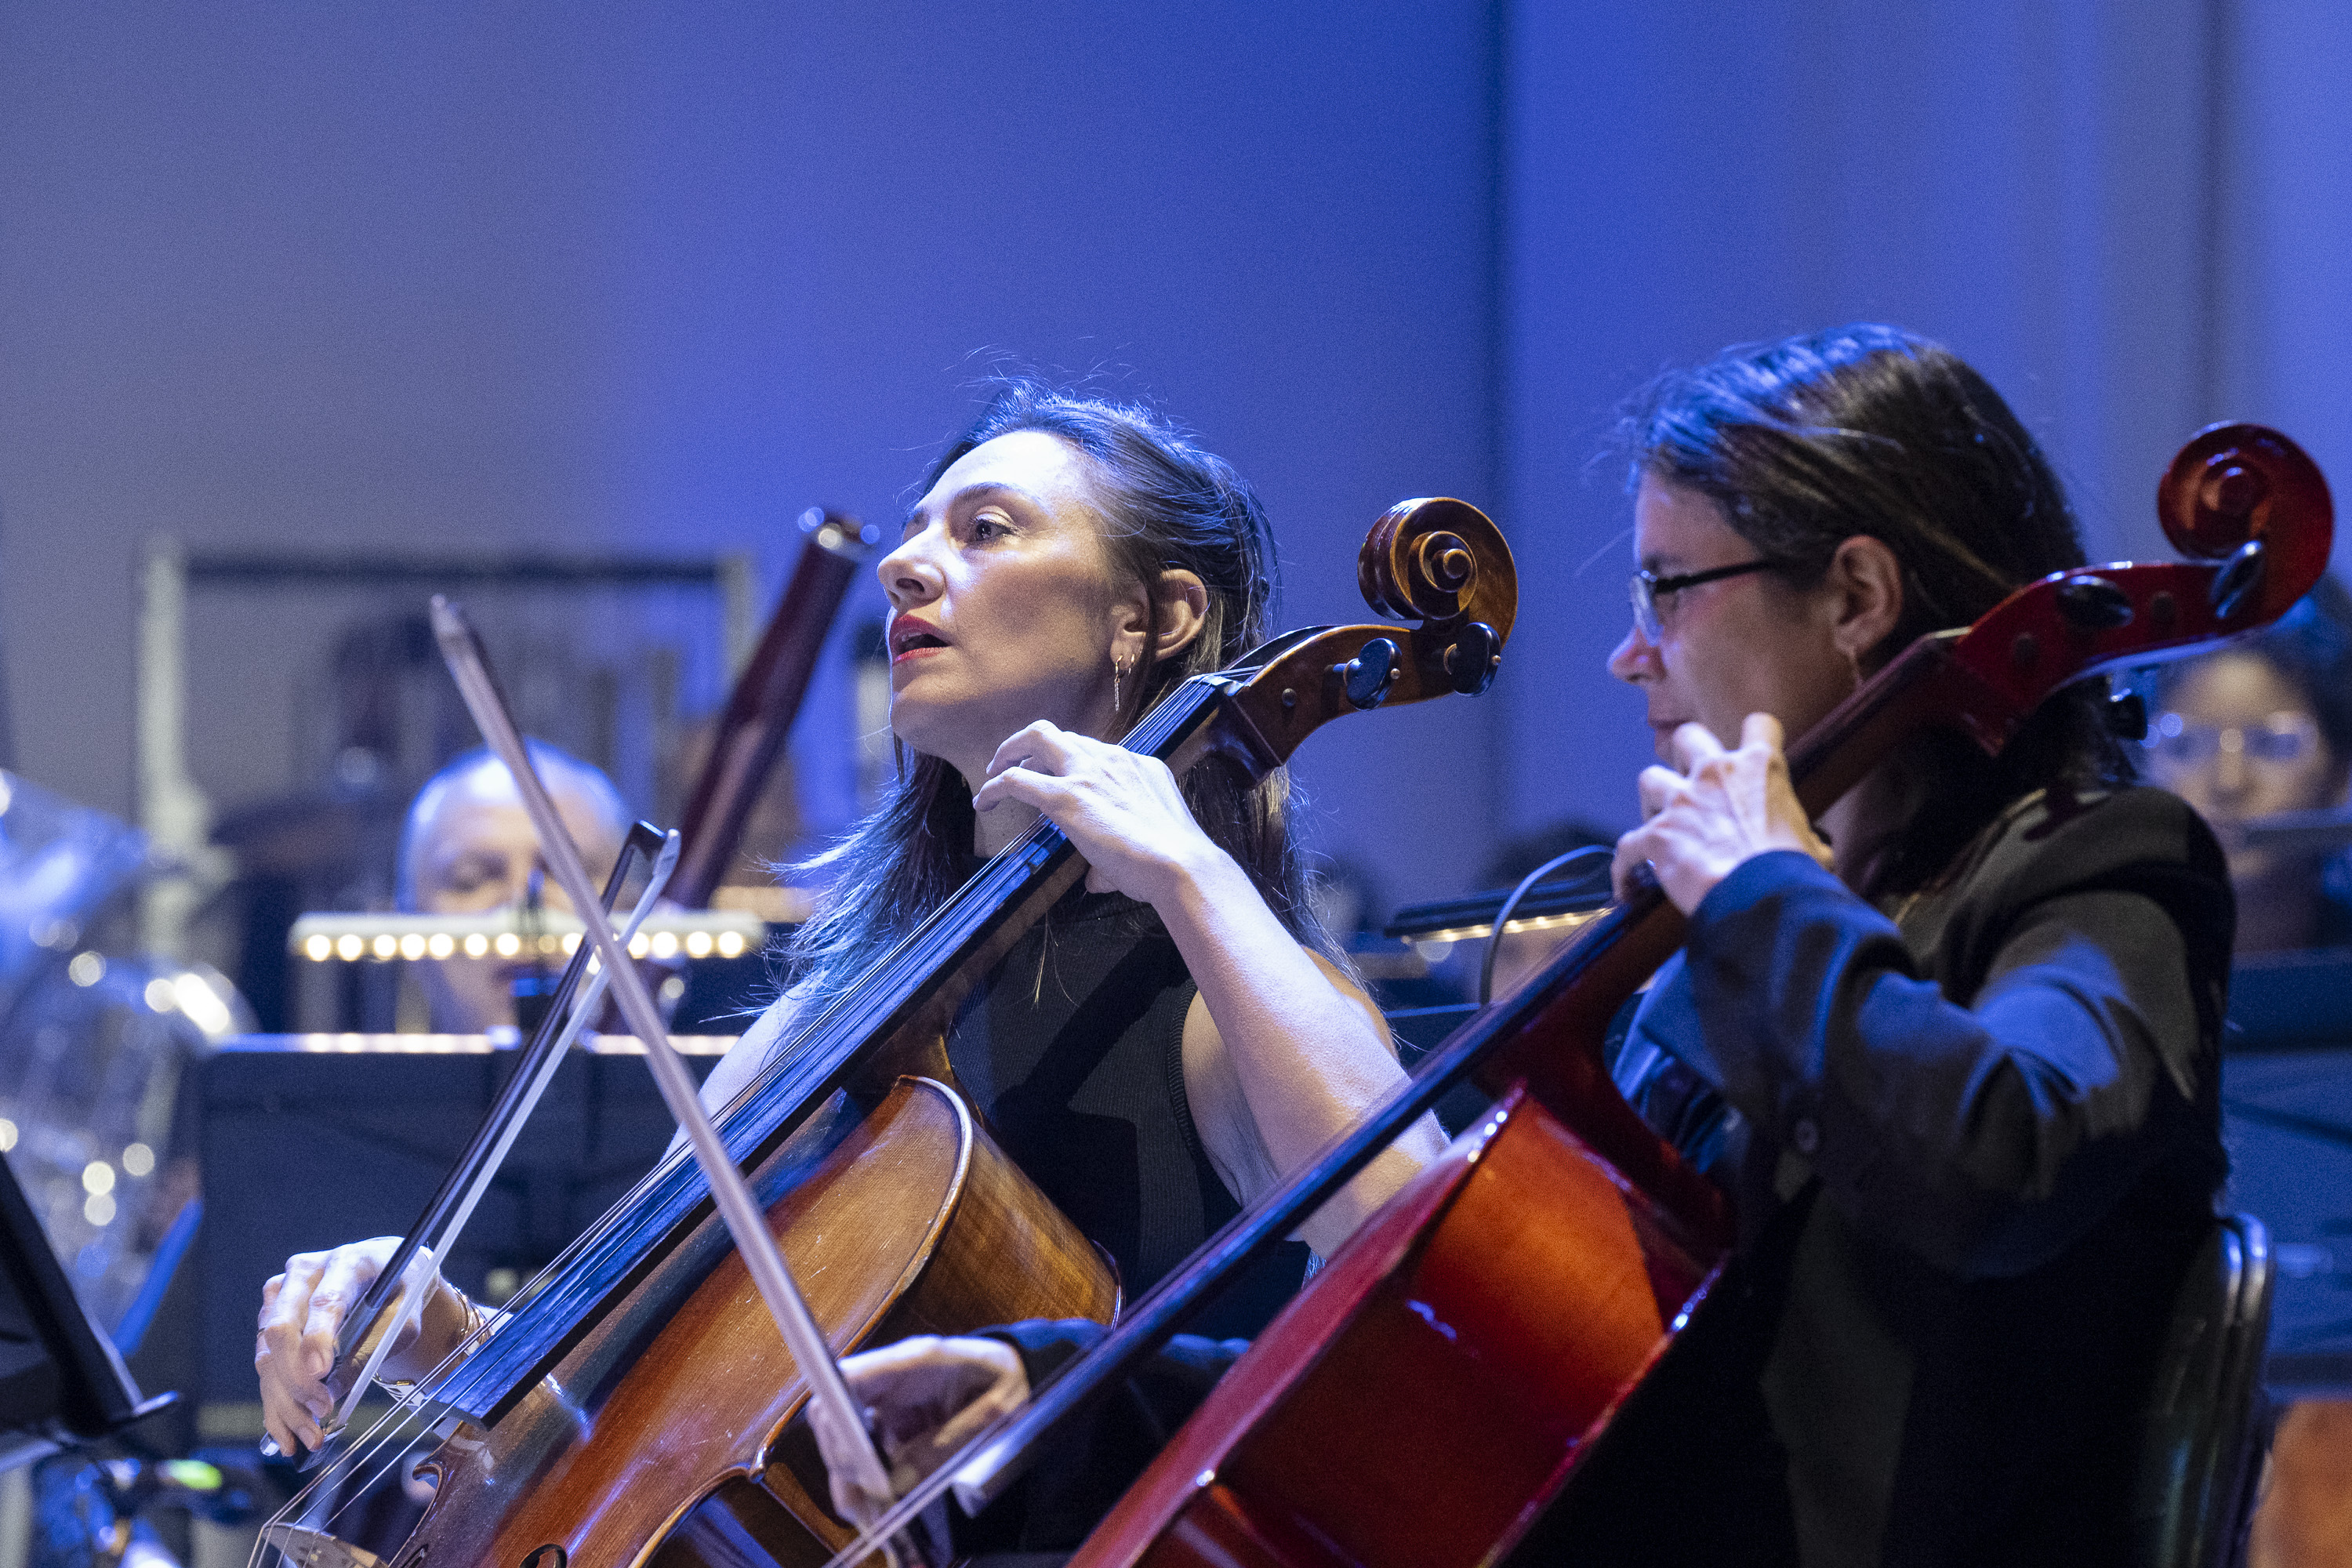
pixel 1952 1050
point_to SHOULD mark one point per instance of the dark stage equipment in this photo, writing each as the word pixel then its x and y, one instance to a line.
pixel 310 1141
pixel 61 1383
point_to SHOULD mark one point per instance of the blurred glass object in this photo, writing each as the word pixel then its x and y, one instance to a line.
pixel 93 1041
pixel 60 866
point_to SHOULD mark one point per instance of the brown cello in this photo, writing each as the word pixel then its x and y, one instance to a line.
pixel 753 725
pixel 630 1406
pixel 1477 1334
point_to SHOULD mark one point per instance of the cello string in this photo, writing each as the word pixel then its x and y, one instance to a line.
pixel 571 1284
pixel 851 1016
pixel 414 1405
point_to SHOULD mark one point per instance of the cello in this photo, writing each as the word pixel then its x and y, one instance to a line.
pixel 1513 1296
pixel 628 1406
pixel 752 728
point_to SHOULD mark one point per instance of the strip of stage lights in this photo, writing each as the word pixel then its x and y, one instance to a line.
pixel 380 938
pixel 1442 936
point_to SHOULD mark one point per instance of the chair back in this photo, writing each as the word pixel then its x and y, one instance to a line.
pixel 2206 1421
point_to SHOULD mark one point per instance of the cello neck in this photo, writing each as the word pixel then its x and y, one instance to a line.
pixel 1439 560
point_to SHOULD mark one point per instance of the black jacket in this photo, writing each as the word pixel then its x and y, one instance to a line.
pixel 1973 1141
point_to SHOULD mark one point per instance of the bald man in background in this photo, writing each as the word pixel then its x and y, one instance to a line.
pixel 468 847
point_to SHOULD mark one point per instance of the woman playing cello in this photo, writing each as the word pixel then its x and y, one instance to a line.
pixel 1951 1051
pixel 1172 1038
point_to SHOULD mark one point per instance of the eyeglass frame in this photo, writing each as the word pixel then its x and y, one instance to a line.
pixel 2303 728
pixel 1644 588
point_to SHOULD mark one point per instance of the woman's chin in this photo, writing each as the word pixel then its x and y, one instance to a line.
pixel 918 725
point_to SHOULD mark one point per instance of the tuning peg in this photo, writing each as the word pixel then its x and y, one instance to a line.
pixel 2238 579
pixel 2094 604
pixel 1366 677
pixel 1471 659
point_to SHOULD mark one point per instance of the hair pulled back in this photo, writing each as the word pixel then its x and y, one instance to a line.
pixel 1869 430
pixel 1162 503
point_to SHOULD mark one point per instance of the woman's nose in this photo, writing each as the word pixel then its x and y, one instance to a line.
pixel 907 577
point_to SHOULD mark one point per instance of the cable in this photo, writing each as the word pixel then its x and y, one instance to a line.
pixel 1511 901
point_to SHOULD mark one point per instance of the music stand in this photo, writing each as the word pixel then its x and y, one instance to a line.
pixel 61 1383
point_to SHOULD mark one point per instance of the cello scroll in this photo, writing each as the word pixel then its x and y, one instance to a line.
pixel 1440 560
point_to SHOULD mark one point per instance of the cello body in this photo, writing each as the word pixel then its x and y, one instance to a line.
pixel 636 1405
pixel 657 1436
pixel 1497 1310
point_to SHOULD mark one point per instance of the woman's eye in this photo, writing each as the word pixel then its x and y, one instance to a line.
pixel 988 527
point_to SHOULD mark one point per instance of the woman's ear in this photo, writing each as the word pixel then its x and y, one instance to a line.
pixel 1179 605
pixel 1866 601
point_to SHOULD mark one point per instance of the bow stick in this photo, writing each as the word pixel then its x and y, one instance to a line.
pixel 377 1322
pixel 412 1291
pixel 848 1449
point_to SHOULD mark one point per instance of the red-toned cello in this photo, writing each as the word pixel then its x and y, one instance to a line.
pixel 1514 1295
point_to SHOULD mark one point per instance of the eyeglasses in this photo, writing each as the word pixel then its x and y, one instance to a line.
pixel 1647 588
pixel 2280 741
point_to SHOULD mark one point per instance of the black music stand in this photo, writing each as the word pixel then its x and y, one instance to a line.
pixel 61 1383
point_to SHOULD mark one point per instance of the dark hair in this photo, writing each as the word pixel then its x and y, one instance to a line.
pixel 1867 429
pixel 2311 648
pixel 1162 503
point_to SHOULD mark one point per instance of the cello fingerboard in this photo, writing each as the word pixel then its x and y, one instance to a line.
pixel 916 984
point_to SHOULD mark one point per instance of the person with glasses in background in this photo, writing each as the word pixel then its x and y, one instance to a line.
pixel 2260 727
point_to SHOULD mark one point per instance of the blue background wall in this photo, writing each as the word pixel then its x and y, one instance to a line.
pixel 587 275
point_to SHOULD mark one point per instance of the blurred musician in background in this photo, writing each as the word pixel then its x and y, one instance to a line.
pixel 2264 727
pixel 468 848
pixel 1953 1051
pixel 1176 1034
pixel 2260 727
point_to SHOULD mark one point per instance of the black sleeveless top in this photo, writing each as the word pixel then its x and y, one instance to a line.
pixel 1074 1052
